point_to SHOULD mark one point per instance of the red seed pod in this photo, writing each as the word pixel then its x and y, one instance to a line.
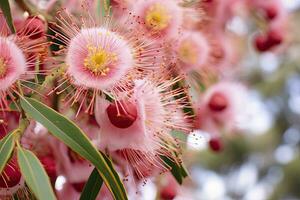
pixel 122 116
pixel 216 144
pixel 169 192
pixel 261 43
pixel 218 102
pixel 271 12
pixel 274 38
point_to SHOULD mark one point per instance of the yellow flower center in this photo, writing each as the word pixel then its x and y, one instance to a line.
pixel 187 52
pixel 157 17
pixel 3 67
pixel 98 60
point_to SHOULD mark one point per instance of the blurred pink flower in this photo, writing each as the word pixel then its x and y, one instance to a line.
pixel 161 20
pixel 221 106
pixel 193 50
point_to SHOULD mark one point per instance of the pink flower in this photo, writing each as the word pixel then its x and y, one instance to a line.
pixel 103 58
pixel 161 20
pixel 193 50
pixel 97 58
pixel 17 53
pixel 223 52
pixel 219 12
pixel 222 104
pixel 139 125
pixel 12 63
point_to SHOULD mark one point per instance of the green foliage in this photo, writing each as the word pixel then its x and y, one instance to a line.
pixel 92 186
pixel 35 175
pixel 70 134
pixel 6 148
pixel 4 5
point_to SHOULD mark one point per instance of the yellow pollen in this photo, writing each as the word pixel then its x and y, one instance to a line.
pixel 157 17
pixel 187 53
pixel 3 67
pixel 98 60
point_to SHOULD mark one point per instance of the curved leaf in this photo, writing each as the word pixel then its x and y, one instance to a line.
pixel 6 148
pixel 4 5
pixel 35 175
pixel 92 186
pixel 72 136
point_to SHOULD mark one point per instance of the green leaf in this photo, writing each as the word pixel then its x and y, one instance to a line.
pixel 92 186
pixel 188 109
pixel 175 169
pixel 4 5
pixel 6 148
pixel 35 175
pixel 72 136
pixel 183 170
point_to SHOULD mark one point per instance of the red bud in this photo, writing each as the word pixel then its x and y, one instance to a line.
pixel 123 116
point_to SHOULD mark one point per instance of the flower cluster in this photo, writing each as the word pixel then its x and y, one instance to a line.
pixel 130 76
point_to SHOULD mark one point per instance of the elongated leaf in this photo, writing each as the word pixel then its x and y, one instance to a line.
pixel 35 175
pixel 4 5
pixel 6 148
pixel 176 171
pixel 92 186
pixel 184 171
pixel 72 136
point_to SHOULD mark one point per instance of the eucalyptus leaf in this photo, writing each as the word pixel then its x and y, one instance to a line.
pixel 6 148
pixel 4 5
pixel 35 175
pixel 73 136
pixel 92 186
pixel 175 169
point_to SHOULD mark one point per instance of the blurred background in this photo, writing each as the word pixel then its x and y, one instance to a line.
pixel 262 160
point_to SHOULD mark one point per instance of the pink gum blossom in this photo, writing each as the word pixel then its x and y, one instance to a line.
pixel 174 24
pixel 192 42
pixel 222 104
pixel 14 62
